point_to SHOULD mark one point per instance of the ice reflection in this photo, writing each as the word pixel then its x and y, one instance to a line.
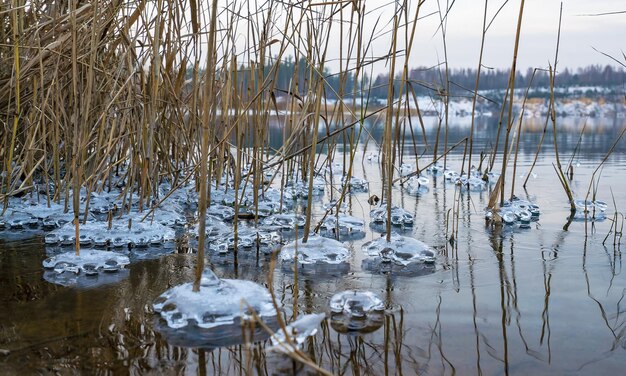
pixel 545 301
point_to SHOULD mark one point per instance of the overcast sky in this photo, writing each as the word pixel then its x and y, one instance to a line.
pixel 580 33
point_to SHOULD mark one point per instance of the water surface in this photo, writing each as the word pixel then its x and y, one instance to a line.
pixel 543 301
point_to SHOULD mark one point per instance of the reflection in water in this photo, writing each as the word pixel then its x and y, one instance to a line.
pixel 535 301
pixel 496 243
pixel 613 321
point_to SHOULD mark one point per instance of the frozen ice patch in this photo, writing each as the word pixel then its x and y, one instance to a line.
pixel 356 311
pixel 218 302
pixel 343 227
pixel 589 210
pixel 292 337
pixel 401 250
pixel 399 216
pixel 317 250
pixel 88 269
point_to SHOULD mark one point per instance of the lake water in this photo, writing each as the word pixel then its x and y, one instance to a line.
pixel 539 301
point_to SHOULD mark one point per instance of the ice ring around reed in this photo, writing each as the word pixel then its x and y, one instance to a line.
pixel 356 311
pixel 290 338
pixel 417 185
pixel 402 250
pixel 356 184
pixel 399 216
pixel 210 339
pixel 124 232
pixel 343 226
pixel 517 212
pixel 317 250
pixel 356 304
pixel 589 210
pixel 248 239
pixel 89 269
pixel 218 302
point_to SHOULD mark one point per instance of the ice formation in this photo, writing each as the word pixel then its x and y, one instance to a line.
pixel 300 188
pixel 400 250
pixel 376 265
pixel 248 238
pixel 356 184
pixel 336 168
pixel 590 210
pixel 214 229
pixel 407 169
pixel 417 185
pixel 344 226
pixel 82 281
pixel 223 201
pixel 434 169
pixel 85 270
pixel 399 216
pixel 212 338
pixel 218 302
pixel 223 212
pixel 492 177
pixel 290 338
pixel 124 232
pixel 451 175
pixel 283 222
pixel 517 212
pixel 472 183
pixel 317 250
pixel 356 311
pixel 372 157
pixel 357 304
pixel 332 206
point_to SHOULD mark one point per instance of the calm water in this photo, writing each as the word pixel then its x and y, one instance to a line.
pixel 536 301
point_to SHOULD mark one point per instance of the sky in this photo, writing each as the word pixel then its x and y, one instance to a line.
pixel 580 33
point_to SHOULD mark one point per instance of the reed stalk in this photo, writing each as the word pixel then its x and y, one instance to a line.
pixel 476 86
pixel 207 115
pixel 499 188
pixel 518 134
pixel 387 138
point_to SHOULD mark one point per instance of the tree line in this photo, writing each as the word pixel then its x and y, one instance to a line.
pixel 292 77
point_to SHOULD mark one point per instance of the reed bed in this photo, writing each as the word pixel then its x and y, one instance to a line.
pixel 185 90
pixel 88 88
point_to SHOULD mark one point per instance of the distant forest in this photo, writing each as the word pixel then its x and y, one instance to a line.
pixel 431 81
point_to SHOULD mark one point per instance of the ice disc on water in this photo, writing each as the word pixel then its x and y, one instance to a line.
pixel 399 216
pixel 211 338
pixel 518 212
pixel 356 311
pixel 218 302
pixel 317 250
pixel 97 258
pixel 356 184
pixel 283 222
pixel 473 184
pixel 400 250
pixel 357 304
pixel 123 232
pixel 225 213
pixel 417 185
pixel 343 226
pixel 407 169
pixel 589 210
pixel 297 332
pixel 68 269
pixel 300 189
